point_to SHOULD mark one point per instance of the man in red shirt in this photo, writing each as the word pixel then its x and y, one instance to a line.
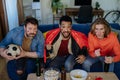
pixel 65 46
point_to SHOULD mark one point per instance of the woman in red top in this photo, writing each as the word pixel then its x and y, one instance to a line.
pixel 103 44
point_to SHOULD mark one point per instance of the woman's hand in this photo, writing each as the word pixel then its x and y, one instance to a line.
pixel 97 52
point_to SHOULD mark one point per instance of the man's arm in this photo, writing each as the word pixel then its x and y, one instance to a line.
pixel 1 51
pixel 31 54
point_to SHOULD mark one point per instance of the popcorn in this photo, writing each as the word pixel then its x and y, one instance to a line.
pixel 51 75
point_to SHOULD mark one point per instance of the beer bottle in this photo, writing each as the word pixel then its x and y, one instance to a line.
pixel 106 66
pixel 38 67
pixel 63 73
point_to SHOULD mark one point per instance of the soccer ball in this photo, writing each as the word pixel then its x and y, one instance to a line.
pixel 13 50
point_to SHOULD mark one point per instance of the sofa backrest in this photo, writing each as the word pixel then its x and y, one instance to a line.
pixel 44 28
pixel 85 28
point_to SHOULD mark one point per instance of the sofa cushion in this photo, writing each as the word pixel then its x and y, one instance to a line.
pixel 115 26
pixel 78 27
pixel 84 28
pixel 44 34
pixel 44 28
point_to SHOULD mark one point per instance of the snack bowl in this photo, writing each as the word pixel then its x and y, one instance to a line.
pixel 51 74
pixel 78 74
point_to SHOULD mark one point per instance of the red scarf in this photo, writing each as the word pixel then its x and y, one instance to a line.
pixel 79 37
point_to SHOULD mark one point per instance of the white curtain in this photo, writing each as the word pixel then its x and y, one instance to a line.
pixel 12 13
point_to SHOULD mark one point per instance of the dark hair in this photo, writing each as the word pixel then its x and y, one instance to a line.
pixel 65 18
pixel 104 23
pixel 31 20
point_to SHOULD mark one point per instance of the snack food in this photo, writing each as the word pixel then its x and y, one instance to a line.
pixel 77 76
pixel 51 74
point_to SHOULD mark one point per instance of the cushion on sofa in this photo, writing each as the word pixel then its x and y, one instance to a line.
pixel 44 28
pixel 115 26
pixel 44 34
pixel 84 28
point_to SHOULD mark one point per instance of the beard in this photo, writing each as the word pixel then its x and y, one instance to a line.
pixel 30 35
pixel 66 34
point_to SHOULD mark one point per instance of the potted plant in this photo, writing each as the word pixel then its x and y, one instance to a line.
pixel 97 5
pixel 56 5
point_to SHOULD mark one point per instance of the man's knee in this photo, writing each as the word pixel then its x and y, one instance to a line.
pixel 87 65
pixel 68 66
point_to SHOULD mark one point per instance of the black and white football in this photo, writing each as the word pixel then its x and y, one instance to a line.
pixel 13 50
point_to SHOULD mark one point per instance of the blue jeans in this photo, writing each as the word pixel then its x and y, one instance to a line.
pixel 68 62
pixel 30 67
pixel 90 61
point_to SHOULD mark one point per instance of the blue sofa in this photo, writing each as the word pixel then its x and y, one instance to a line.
pixel 85 28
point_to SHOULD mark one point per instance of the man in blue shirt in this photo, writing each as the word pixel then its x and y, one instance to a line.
pixel 31 43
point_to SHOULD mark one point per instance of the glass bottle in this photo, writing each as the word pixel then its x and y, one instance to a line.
pixel 38 68
pixel 106 66
pixel 63 73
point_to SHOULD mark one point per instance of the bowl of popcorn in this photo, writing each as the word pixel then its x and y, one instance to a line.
pixel 51 74
pixel 78 74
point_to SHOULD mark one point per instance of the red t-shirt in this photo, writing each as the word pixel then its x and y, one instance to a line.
pixel 63 50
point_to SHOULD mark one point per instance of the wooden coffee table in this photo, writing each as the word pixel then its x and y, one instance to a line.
pixel 91 76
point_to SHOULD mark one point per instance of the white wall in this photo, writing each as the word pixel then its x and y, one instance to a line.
pixel 27 5
pixel 27 2
pixel 30 10
pixel 46 11
pixel 108 5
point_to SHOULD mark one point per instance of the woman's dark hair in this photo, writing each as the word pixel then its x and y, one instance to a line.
pixel 104 23
pixel 65 18
pixel 31 20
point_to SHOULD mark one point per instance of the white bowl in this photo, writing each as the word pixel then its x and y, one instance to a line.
pixel 78 74
pixel 51 74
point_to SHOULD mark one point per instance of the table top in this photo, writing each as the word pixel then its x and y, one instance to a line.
pixel 91 76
